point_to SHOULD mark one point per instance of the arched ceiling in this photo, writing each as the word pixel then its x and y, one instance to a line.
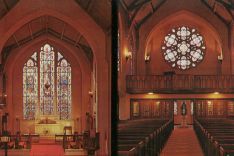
pixel 99 11
pixel 47 25
pixel 6 6
pixel 140 10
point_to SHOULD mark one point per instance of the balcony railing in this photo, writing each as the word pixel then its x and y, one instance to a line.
pixel 180 83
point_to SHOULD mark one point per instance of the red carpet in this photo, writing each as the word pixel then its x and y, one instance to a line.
pixel 47 150
pixel 182 142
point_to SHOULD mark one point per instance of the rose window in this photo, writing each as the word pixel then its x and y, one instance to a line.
pixel 183 48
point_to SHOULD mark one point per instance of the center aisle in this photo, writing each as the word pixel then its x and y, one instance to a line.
pixel 182 142
pixel 46 147
pixel 47 150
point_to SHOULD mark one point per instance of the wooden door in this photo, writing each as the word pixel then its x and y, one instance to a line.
pixel 178 114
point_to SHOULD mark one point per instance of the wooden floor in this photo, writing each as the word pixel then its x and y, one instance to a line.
pixel 182 142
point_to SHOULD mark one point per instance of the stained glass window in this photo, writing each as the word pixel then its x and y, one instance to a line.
pixel 46 80
pixel 183 48
pixel 192 107
pixel 175 108
pixel 30 87
pixel 54 85
pixel 63 87
pixel 210 107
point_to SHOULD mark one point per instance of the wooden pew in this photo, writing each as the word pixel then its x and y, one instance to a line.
pixel 216 136
pixel 143 137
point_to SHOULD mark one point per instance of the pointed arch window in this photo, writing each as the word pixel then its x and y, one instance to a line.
pixel 63 87
pixel 30 87
pixel 46 80
pixel 53 96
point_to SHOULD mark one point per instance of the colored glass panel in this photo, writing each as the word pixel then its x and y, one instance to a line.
pixel 30 87
pixel 51 81
pixel 183 48
pixel 47 80
pixel 63 88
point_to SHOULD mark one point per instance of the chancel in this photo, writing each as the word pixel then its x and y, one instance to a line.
pixel 176 90
pixel 54 77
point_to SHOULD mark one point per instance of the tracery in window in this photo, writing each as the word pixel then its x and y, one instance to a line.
pixel 175 108
pixel 63 87
pixel 46 80
pixel 30 87
pixel 54 93
pixel 183 48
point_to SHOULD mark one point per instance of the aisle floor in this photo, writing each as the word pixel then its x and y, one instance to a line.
pixel 182 142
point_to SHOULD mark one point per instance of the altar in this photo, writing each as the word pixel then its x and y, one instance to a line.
pixel 50 125
pixel 48 129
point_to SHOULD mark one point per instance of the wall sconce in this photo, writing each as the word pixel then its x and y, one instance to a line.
pixel 128 55
pixel 3 100
pixel 220 57
pixel 147 58
pixel 91 93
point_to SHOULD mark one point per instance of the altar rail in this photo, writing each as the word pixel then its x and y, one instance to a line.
pixel 180 83
pixel 75 144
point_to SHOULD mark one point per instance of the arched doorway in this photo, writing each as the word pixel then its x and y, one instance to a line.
pixel 183 112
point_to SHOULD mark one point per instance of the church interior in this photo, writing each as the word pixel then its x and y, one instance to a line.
pixel 175 78
pixel 55 72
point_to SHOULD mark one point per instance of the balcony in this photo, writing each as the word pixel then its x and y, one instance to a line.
pixel 180 83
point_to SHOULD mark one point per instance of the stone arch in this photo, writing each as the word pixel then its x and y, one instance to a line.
pixel 80 22
pixel 80 76
pixel 185 15
pixel 71 13
pixel 153 37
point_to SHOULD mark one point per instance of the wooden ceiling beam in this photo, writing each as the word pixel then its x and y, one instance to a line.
pixel 152 7
pixel 228 10
pixel 124 5
pixel 67 39
pixel 62 33
pixel 89 6
pixel 46 23
pixel 226 5
pixel 134 14
pixel 209 7
pixel 151 13
pixel 135 5
pixel 78 39
pixel 53 33
pixel 16 41
pixel 144 19
pixel 30 30
pixel 137 10
pixel 5 4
